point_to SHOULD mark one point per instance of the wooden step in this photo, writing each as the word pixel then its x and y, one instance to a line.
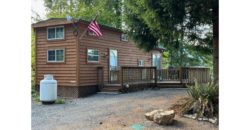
pixel 111 88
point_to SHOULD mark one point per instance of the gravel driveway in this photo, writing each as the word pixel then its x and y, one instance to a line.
pixel 112 112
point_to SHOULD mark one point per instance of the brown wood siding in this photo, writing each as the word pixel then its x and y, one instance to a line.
pixel 65 73
pixel 128 54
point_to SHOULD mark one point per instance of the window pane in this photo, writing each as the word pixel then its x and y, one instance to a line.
pixel 60 33
pixel 51 55
pixel 92 52
pixel 59 55
pixel 142 62
pixel 92 58
pixel 51 33
pixel 93 55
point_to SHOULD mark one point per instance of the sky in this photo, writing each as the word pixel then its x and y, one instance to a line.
pixel 38 7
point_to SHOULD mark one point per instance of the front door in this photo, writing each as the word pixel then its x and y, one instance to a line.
pixel 113 65
pixel 156 60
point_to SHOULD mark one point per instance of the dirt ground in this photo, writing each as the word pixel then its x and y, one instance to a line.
pixel 113 112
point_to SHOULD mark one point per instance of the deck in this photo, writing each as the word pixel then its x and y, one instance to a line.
pixel 147 77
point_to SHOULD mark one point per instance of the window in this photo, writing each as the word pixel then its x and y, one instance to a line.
pixel 93 55
pixel 140 62
pixel 124 37
pixel 54 33
pixel 56 55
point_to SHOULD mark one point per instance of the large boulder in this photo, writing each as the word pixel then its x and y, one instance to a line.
pixel 150 115
pixel 164 118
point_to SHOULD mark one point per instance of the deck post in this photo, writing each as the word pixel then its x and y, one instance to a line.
pixel 122 77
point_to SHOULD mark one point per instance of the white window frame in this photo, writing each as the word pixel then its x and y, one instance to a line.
pixel 141 63
pixel 55 33
pixel 93 55
pixel 55 61
pixel 124 37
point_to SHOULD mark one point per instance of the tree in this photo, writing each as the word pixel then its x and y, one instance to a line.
pixel 108 11
pixel 174 23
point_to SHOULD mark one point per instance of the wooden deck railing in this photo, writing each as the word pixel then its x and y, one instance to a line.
pixel 138 75
pixel 149 75
pixel 184 74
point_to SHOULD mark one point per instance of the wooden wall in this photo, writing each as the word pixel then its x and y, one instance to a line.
pixel 65 73
pixel 128 54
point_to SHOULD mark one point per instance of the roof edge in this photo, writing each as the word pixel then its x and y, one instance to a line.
pixel 64 21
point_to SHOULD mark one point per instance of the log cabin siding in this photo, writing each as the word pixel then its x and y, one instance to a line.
pixel 128 54
pixel 65 72
pixel 76 77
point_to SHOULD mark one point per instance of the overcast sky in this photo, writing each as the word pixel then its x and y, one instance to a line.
pixel 38 7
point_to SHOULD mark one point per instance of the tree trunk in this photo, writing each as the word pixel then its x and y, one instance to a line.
pixel 216 44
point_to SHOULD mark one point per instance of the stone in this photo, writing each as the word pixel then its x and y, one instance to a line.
pixel 164 117
pixel 150 115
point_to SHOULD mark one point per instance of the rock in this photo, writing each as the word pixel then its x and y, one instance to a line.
pixel 164 117
pixel 150 115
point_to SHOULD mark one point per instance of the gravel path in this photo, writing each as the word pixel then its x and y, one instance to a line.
pixel 112 112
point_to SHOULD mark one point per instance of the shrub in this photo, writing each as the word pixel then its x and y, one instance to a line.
pixel 60 101
pixel 203 100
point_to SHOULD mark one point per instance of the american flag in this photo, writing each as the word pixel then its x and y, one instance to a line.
pixel 94 27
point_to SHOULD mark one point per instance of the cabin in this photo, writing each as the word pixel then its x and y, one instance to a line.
pixel 84 64
pixel 74 59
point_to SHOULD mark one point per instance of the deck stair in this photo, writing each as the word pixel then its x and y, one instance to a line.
pixel 111 88
pixel 170 84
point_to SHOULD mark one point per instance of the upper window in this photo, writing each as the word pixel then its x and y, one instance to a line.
pixel 124 37
pixel 54 33
pixel 93 55
pixel 56 55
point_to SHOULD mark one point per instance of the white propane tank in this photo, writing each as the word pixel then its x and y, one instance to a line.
pixel 48 89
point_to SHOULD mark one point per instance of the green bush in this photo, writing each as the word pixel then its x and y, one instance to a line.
pixel 60 101
pixel 203 100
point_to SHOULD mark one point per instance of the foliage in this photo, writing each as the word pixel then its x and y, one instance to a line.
pixel 34 94
pixel 60 101
pixel 177 24
pixel 203 100
pixel 33 57
pixel 108 11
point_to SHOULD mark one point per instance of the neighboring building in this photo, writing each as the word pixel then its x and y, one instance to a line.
pixel 73 59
